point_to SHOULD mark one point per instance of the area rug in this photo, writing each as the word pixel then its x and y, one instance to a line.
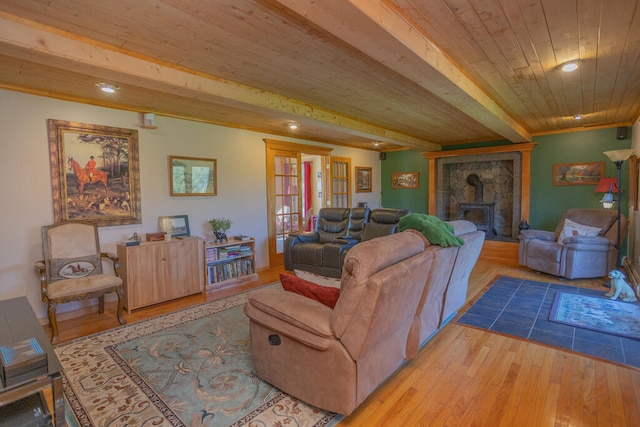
pixel 598 314
pixel 192 367
pixel 522 308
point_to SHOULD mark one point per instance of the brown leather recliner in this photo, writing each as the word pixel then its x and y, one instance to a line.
pixel 576 257
pixel 297 342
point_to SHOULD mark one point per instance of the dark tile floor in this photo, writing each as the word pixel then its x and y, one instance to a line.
pixel 521 308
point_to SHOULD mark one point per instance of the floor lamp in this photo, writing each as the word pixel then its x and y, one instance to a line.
pixel 618 157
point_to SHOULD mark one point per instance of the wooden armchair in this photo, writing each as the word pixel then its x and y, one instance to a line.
pixel 72 269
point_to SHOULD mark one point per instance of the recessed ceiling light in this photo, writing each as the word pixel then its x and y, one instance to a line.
pixel 376 143
pixel 569 67
pixel 107 88
pixel 293 125
pixel 577 116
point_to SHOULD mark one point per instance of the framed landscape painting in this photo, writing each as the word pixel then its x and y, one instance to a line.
pixel 192 176
pixel 404 180
pixel 586 173
pixel 94 173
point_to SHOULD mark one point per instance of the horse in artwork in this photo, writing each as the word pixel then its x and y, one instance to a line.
pixel 82 176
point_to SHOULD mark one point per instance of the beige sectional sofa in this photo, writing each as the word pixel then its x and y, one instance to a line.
pixel 396 292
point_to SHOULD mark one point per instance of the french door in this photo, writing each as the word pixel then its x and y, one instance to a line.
pixel 285 192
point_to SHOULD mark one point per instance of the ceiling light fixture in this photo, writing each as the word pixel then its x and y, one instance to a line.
pixel 376 144
pixel 293 125
pixel 107 88
pixel 577 116
pixel 569 67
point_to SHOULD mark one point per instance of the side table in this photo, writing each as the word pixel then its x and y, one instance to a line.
pixel 18 322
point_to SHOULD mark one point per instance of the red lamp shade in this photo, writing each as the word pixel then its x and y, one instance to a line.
pixel 605 184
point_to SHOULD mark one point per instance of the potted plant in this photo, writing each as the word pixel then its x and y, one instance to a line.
pixel 220 227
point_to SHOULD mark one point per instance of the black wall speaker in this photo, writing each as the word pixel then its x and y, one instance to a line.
pixel 622 132
pixel 383 156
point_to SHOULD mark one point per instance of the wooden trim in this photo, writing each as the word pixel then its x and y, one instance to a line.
pixel 301 148
pixel 525 151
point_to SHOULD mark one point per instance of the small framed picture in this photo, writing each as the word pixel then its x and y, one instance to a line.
pixel 192 176
pixel 175 225
pixel 363 179
pixel 404 180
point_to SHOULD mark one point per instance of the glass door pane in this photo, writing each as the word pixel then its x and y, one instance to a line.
pixel 287 200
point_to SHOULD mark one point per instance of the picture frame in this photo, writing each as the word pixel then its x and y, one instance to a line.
pixel 94 173
pixel 584 173
pixel 363 179
pixel 174 225
pixel 192 176
pixel 404 179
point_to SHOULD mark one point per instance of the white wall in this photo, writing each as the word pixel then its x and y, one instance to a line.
pixel 26 199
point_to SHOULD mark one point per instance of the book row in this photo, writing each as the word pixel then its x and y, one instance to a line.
pixel 229 270
pixel 228 252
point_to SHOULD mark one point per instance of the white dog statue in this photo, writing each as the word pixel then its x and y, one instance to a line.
pixel 620 288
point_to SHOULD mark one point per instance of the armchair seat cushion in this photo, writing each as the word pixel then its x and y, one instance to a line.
pixel 543 250
pixel 70 287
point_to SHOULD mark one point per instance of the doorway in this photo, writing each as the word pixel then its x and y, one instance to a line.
pixel 295 187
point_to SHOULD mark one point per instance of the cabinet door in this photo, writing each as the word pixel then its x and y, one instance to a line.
pixel 182 266
pixel 144 276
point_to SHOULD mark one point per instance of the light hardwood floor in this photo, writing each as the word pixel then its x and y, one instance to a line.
pixel 465 376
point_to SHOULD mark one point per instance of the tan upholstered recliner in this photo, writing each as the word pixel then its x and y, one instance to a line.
pixel 576 256
pixel 334 359
pixel 72 269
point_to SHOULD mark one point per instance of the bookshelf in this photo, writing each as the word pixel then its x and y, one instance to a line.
pixel 229 263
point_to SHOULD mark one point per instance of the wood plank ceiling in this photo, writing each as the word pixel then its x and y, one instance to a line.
pixel 407 73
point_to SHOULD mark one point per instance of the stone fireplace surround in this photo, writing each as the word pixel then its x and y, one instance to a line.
pixel 505 174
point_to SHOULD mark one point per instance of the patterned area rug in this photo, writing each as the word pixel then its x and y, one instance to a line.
pixel 522 308
pixel 192 367
pixel 598 314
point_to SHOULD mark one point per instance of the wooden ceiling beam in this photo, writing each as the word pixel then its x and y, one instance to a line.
pixel 36 43
pixel 393 41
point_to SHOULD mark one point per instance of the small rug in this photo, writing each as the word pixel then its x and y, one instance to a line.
pixel 192 367
pixel 318 279
pixel 598 314
pixel 521 308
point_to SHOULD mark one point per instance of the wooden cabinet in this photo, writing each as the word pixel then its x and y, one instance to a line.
pixel 229 263
pixel 155 272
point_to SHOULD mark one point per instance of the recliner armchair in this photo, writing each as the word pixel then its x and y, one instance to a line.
pixel 576 256
pixel 312 252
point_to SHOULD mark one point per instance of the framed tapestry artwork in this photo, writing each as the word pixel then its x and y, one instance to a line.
pixel 192 176
pixel 363 180
pixel 175 225
pixel 586 173
pixel 94 173
pixel 404 180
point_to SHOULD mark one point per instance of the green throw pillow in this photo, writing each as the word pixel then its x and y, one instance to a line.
pixel 434 229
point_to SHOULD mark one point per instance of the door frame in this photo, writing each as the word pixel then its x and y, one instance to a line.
pixel 296 150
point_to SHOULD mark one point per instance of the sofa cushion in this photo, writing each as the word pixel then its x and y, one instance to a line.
pixel 572 228
pixel 326 295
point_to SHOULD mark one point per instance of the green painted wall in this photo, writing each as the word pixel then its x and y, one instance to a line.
pixel 414 199
pixel 548 202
